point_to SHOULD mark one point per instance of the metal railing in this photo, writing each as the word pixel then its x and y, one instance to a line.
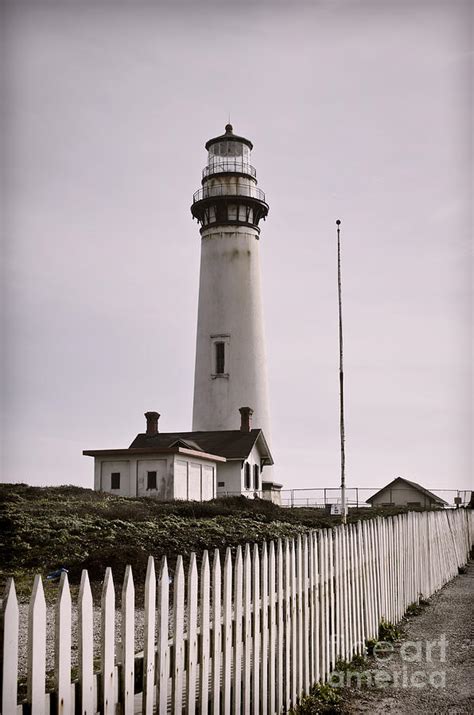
pixel 212 191
pixel 230 165
pixel 356 497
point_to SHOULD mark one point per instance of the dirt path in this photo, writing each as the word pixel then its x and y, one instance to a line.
pixel 428 679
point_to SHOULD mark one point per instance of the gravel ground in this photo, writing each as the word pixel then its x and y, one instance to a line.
pixel 50 620
pixel 436 684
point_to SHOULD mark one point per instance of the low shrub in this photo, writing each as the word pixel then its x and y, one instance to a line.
pixel 388 631
pixel 322 698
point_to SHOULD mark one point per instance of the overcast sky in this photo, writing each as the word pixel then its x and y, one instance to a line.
pixel 357 110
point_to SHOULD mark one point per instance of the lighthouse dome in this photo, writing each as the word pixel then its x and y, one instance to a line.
pixel 229 136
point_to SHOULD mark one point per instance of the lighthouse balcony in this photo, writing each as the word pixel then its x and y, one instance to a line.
pixel 229 166
pixel 224 191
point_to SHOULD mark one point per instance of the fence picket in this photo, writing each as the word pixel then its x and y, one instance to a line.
pixel 323 603
pixel 346 596
pixel 338 595
pixel 127 679
pixel 294 625
pixel 256 631
pixel 205 640
pixel 108 644
pixel 264 659
pixel 306 619
pixel 85 625
pixel 299 613
pixel 62 647
pixel 37 648
pixel 248 646
pixel 272 636
pixel 287 636
pixel 354 599
pixel 316 624
pixel 9 621
pixel 238 610
pixel 227 634
pixel 356 606
pixel 192 653
pixel 178 636
pixel 216 633
pixel 163 648
pixel 149 639
pixel 311 624
pixel 280 625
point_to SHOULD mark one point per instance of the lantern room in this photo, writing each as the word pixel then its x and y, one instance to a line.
pixel 229 192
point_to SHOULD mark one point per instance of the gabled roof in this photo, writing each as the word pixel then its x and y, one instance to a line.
pixel 416 486
pixel 231 444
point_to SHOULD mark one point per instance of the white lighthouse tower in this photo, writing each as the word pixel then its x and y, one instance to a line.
pixel 230 352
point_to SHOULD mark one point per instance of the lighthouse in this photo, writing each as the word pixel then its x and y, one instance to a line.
pixel 229 446
pixel 230 366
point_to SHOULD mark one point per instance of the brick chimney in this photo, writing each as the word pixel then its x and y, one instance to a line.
pixel 245 419
pixel 152 422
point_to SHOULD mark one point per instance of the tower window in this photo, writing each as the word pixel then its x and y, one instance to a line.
pixel 219 355
pixel 115 480
pixel 248 479
pixel 220 358
pixel 256 477
pixel 151 480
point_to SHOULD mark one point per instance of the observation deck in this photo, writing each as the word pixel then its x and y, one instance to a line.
pixel 224 190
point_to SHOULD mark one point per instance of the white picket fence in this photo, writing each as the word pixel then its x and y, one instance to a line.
pixel 248 637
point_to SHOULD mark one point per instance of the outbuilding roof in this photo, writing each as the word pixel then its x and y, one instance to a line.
pixel 418 487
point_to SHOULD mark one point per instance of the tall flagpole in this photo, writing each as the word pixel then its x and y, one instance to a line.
pixel 341 380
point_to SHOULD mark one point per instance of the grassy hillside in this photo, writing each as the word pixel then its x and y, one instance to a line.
pixel 43 528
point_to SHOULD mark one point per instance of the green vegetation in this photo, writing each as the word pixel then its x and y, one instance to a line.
pixel 414 609
pixel 322 698
pixel 388 633
pixel 347 673
pixel 358 662
pixel 44 528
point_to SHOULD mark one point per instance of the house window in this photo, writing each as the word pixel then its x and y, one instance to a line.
pixel 248 482
pixel 151 480
pixel 220 358
pixel 221 484
pixel 115 480
pixel 256 477
pixel 414 503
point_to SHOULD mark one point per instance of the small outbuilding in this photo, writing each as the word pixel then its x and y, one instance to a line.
pixel 402 492
pixel 185 465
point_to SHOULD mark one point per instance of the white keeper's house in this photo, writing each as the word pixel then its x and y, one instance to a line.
pixel 187 465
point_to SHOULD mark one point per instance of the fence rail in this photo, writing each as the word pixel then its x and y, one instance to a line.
pixel 249 635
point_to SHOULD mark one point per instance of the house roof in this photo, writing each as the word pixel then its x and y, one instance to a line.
pixel 172 449
pixel 416 486
pixel 231 444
